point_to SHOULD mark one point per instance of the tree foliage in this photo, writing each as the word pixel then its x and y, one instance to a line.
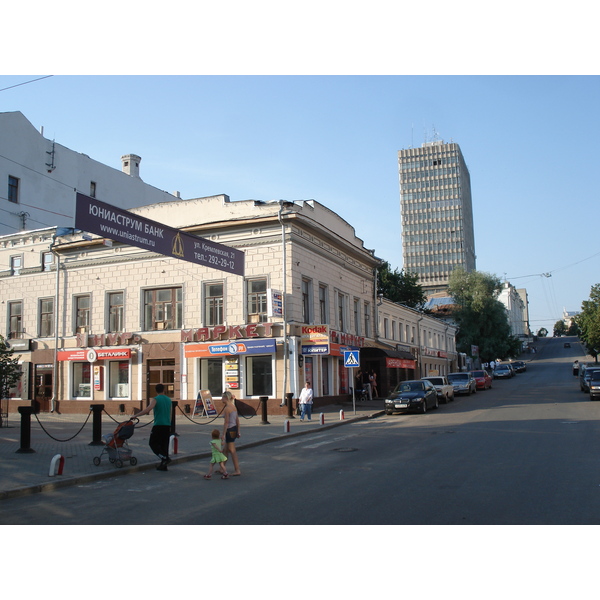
pixel 10 370
pixel 480 316
pixel 560 328
pixel 401 287
pixel 588 321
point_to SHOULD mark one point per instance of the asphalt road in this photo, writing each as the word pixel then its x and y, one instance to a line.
pixel 524 452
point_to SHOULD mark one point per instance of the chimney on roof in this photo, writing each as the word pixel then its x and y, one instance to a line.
pixel 131 164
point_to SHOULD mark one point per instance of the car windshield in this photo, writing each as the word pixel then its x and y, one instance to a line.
pixel 436 380
pixel 458 377
pixel 411 386
pixel 502 367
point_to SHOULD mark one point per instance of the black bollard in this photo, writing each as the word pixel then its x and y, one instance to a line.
pixel 25 430
pixel 96 424
pixel 173 407
pixel 289 400
pixel 263 402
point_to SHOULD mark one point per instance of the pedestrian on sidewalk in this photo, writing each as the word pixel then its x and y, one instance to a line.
pixel 231 430
pixel 161 430
pixel 306 401
pixel 373 378
pixel 217 456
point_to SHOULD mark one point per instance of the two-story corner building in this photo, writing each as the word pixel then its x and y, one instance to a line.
pixel 100 322
pixel 430 341
pixel 38 176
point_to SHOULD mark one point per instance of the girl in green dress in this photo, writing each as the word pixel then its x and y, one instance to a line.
pixel 217 456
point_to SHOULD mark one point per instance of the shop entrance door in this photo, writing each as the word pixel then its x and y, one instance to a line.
pixel 43 386
pixel 161 371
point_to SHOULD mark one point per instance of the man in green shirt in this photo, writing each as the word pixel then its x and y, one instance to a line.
pixel 161 430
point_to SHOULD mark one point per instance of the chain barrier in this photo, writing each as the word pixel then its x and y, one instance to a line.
pixel 68 439
pixel 138 426
pixel 196 422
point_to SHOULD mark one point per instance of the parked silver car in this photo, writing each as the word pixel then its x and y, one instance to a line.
pixel 463 383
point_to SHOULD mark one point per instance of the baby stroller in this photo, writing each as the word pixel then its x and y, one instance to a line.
pixel 116 446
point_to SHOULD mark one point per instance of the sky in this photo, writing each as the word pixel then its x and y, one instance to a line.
pixel 529 143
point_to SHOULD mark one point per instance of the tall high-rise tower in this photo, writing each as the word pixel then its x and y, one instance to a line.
pixel 436 212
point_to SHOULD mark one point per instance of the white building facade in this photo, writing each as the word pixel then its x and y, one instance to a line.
pixel 39 179
pixel 95 322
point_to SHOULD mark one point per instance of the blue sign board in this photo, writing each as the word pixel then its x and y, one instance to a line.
pixel 351 358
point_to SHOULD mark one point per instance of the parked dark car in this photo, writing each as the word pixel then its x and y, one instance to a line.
pixel 594 385
pixel 414 394
pixel 463 383
pixel 519 366
pixel 483 380
pixel 503 371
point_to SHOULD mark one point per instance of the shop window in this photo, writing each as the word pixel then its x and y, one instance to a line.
pixel 118 379
pixel 82 380
pixel 211 376
pixel 259 376
pixel 46 317
pixel 163 309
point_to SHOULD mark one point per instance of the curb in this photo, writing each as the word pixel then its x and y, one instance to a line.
pixel 81 479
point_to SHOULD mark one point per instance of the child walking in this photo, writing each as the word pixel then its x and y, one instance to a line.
pixel 217 456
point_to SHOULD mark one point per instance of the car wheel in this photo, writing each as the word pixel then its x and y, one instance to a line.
pixel 388 412
pixel 424 406
pixel 437 403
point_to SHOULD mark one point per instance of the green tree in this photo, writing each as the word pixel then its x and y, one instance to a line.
pixel 559 328
pixel 543 332
pixel 10 370
pixel 401 287
pixel 588 321
pixel 480 316
pixel 573 328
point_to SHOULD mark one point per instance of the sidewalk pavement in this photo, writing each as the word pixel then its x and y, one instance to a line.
pixel 70 437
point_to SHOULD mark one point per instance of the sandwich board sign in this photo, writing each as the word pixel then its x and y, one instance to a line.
pixel 204 404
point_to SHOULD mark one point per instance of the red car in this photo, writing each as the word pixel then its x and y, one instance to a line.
pixel 482 379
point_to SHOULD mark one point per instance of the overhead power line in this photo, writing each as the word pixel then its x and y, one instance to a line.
pixel 10 87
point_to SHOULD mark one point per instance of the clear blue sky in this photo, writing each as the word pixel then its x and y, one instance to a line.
pixel 529 143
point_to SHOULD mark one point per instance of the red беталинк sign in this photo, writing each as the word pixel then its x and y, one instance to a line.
pixel 126 227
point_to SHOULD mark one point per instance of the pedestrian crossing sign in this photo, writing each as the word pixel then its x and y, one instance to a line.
pixel 351 358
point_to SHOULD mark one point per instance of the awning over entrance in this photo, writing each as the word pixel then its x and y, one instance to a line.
pixel 394 359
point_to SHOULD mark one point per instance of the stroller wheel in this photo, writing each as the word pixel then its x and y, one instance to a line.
pixel 96 460
pixel 133 461
pixel 118 463
pixel 111 460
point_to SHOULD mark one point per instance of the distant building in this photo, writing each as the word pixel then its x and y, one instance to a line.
pixel 39 179
pixel 515 309
pixel 437 214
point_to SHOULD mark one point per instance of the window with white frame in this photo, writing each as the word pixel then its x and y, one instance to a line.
pixel 46 323
pixel 323 304
pixel 15 319
pixel 357 316
pixel 341 308
pixel 256 300
pixel 306 300
pixel 367 319
pixel 163 309
pixel 115 312
pixel 82 314
pixel 213 303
